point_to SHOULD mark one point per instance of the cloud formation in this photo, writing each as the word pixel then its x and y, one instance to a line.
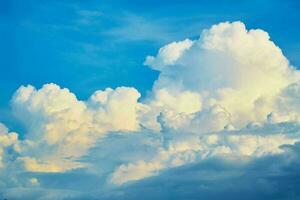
pixel 62 128
pixel 230 95
pixel 226 66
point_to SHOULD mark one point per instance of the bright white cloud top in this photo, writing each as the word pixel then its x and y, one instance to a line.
pixel 230 94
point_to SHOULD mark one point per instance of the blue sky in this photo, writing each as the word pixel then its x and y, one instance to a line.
pixel 91 45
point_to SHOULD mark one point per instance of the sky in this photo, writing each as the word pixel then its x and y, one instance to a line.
pixel 149 99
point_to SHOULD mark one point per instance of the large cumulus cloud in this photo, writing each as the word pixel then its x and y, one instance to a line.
pixel 241 71
pixel 228 100
pixel 62 128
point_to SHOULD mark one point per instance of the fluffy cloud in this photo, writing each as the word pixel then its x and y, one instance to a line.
pixel 241 71
pixel 62 128
pixel 168 55
pixel 229 96
pixel 228 80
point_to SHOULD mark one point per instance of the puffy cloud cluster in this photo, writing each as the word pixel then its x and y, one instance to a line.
pixel 62 128
pixel 229 95
pixel 228 79
pixel 240 71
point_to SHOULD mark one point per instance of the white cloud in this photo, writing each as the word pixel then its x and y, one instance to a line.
pixel 62 128
pixel 114 107
pixel 229 94
pixel 227 79
pixel 168 55
pixel 240 70
pixel 136 171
